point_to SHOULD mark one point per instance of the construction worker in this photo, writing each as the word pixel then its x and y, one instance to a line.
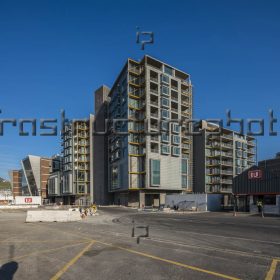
pixel 260 207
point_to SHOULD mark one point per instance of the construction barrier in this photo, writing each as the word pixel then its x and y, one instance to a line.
pixel 52 216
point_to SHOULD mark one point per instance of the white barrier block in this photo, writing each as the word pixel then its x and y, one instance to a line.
pixel 52 216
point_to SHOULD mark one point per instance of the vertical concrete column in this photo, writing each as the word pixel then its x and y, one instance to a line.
pixel 162 198
pixel 141 199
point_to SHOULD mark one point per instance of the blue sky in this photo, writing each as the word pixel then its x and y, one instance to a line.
pixel 54 54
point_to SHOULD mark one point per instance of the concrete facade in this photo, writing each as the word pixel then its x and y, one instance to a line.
pixel 195 202
pixel 220 154
pixel 101 193
pixel 143 168
pixel 35 174
pixel 16 182
pixel 77 162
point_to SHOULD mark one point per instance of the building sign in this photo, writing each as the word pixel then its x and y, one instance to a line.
pixel 255 174
pixel 28 200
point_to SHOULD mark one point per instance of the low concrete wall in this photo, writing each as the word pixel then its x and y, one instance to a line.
pixel 52 216
pixel 6 207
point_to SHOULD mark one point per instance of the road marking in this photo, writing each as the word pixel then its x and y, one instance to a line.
pixel 72 261
pixel 41 241
pixel 229 251
pixel 270 274
pixel 43 251
pixel 216 249
pixel 222 236
pixel 171 262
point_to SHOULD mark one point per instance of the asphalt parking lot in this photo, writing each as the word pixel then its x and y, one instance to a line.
pixel 179 246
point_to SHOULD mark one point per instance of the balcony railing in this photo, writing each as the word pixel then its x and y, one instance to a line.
pixel 155 115
pixel 154 79
pixel 154 103
pixel 154 91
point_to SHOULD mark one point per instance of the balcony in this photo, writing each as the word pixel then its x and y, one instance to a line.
pixel 226 163
pixel 134 69
pixel 185 103
pixel 251 151
pixel 227 172
pixel 154 79
pixel 226 182
pixel 154 103
pixel 154 91
pixel 251 143
pixel 185 92
pixel 154 115
pixel 227 146
pixel 154 127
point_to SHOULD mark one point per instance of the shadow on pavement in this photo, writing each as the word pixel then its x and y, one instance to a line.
pixel 8 270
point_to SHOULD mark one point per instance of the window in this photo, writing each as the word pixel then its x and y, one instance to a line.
pixel 165 149
pixel 164 113
pixel 165 102
pixel 165 137
pixel 175 151
pixel 238 162
pixel 155 172
pixel 175 128
pixel 238 170
pixel 244 145
pixel 165 90
pixel 176 139
pixel 238 145
pixel 167 70
pixel 164 125
pixel 165 79
pixel 244 154
pixel 238 153
pixel 115 177
pixel 184 166
pixel 184 182
pixel 81 189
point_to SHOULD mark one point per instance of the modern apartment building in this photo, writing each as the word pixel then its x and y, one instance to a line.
pixel 35 173
pixel 219 155
pixel 101 194
pixel 77 162
pixel 143 168
pixel 16 182
pixel 55 180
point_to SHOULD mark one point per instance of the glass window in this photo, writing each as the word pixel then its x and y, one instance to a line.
pixel 175 151
pixel 238 145
pixel 165 137
pixel 167 70
pixel 81 189
pixel 164 125
pixel 165 102
pixel 165 90
pixel 155 172
pixel 238 153
pixel 238 162
pixel 184 182
pixel 184 166
pixel 176 139
pixel 175 128
pixel 165 149
pixel 165 113
pixel 165 79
